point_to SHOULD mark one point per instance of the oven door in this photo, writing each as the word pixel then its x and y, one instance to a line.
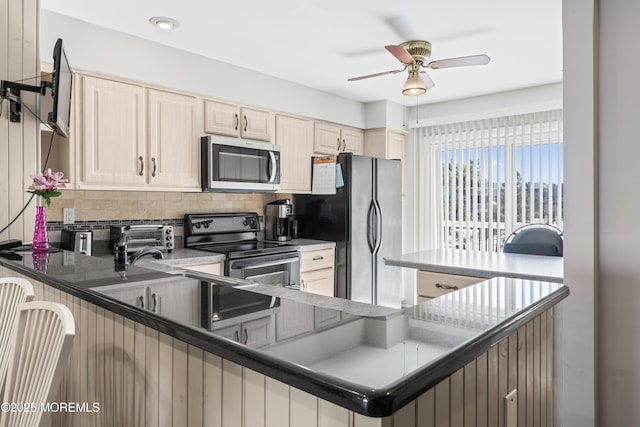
pixel 276 270
pixel 240 165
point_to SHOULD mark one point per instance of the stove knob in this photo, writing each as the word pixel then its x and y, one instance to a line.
pixel 196 225
pixel 245 222
pixel 206 225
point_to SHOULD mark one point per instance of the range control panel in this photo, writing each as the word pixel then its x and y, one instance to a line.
pixel 203 224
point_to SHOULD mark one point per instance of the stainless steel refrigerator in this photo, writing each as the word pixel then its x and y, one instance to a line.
pixel 364 218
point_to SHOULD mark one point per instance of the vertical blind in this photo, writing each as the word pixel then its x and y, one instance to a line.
pixel 493 176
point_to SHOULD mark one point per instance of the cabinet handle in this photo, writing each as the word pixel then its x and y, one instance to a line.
pixel 344 145
pixel 246 336
pixel 237 121
pixel 338 146
pixel 246 123
pixel 302 285
pixel 154 298
pixel 140 301
pixel 141 165
pixel 447 287
pixel 237 336
pixel 153 173
pixel 318 258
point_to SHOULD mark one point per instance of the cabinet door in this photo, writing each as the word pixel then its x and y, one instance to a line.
pixel 352 141
pixel 135 295
pixel 174 149
pixel 326 139
pixel 318 281
pixel 257 333
pixel 295 138
pixel 177 300
pixel 255 124
pixel 112 145
pixel 293 319
pixel 221 118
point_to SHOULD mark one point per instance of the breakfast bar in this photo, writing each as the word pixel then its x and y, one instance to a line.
pixel 294 356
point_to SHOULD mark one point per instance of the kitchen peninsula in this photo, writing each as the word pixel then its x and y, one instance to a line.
pixel 351 364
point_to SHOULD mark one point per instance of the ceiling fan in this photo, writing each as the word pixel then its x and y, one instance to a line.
pixel 413 55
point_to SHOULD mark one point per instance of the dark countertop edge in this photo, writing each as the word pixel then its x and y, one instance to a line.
pixel 363 400
pixel 485 274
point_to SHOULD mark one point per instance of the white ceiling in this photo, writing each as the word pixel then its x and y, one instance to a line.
pixel 321 43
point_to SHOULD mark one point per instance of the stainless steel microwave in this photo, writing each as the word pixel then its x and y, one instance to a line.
pixel 233 164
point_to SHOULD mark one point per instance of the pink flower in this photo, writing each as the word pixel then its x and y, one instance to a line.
pixel 46 185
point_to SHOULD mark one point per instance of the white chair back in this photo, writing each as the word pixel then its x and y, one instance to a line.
pixel 43 336
pixel 13 291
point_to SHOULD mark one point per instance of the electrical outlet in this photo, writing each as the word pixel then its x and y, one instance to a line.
pixel 68 215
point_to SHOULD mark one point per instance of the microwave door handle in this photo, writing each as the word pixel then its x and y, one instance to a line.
pixel 273 167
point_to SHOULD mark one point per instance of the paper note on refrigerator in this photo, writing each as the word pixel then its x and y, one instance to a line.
pixel 324 175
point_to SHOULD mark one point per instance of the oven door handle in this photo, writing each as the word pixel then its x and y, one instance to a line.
pixel 239 265
pixel 273 167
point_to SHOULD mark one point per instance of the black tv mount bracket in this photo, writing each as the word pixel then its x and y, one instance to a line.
pixel 15 110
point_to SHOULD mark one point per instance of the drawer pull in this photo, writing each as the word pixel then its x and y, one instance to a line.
pixel 318 258
pixel 447 287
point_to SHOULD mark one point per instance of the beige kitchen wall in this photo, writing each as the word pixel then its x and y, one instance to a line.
pixel 126 205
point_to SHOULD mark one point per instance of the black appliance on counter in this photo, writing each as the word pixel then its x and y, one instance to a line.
pixel 279 222
pixel 247 258
pixel 77 240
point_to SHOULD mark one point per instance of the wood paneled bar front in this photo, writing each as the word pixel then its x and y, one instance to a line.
pixel 138 375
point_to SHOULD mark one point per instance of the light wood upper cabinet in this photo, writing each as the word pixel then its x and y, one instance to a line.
pixel 135 138
pixel 174 149
pixel 386 144
pixel 113 141
pixel 295 138
pixel 332 139
pixel 233 120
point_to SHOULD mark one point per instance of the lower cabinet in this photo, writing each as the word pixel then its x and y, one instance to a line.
pixel 432 285
pixel 293 319
pixel 255 333
pixel 317 271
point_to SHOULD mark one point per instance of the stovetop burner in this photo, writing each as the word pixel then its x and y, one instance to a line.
pixel 244 249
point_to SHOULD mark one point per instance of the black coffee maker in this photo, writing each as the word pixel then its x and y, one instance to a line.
pixel 280 224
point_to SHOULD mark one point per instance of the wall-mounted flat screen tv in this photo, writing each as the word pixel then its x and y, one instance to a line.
pixel 59 118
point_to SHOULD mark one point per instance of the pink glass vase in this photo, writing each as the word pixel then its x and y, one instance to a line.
pixel 40 237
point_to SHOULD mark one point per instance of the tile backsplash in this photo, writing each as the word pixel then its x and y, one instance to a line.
pixel 101 206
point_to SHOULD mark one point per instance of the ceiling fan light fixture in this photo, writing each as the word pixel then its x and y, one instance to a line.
pixel 164 23
pixel 414 85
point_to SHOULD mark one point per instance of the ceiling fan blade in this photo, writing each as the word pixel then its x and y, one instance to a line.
pixel 401 54
pixel 353 79
pixel 462 61
pixel 427 80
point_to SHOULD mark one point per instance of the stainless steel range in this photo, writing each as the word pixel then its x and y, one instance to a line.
pixel 236 236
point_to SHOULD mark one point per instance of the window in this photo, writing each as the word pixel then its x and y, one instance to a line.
pixel 493 176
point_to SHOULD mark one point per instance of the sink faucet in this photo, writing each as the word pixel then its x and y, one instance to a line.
pixel 156 253
pixel 122 259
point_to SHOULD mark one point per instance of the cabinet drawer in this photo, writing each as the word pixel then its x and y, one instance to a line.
pixel 435 284
pixel 315 260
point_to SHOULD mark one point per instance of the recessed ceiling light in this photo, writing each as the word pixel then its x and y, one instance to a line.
pixel 164 22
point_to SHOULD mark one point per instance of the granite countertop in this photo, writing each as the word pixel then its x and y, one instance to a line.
pixel 338 359
pixel 483 264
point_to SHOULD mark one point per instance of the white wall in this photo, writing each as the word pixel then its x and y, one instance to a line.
pixel 18 141
pixel 577 393
pixel 618 293
pixel 93 48
pixel 518 101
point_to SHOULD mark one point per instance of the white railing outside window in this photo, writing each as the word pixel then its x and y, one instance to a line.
pixel 491 176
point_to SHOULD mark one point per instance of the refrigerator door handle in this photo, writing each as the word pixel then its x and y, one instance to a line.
pixel 371 226
pixel 378 240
